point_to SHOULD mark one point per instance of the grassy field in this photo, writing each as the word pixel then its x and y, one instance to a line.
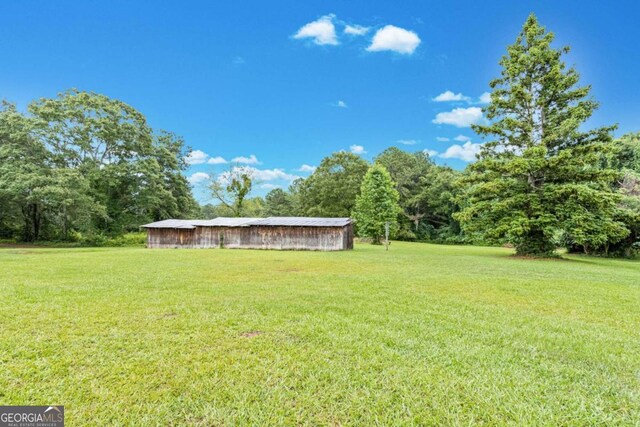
pixel 419 335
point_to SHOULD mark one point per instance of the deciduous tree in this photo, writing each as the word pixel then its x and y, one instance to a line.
pixel 231 188
pixel 86 162
pixel 426 192
pixel 332 189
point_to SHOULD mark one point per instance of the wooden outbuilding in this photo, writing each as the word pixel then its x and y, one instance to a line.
pixel 284 233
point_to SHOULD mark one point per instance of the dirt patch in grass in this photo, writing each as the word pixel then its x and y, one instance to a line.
pixel 251 334
pixel 167 315
pixel 25 252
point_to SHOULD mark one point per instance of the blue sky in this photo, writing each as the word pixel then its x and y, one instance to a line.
pixel 279 85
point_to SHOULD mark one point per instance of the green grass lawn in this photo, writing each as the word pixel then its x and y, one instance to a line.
pixel 419 335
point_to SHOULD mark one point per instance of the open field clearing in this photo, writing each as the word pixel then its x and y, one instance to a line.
pixel 419 335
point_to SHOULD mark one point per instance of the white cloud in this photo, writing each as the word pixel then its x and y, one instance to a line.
pixel 448 96
pixel 238 60
pixel 462 138
pixel 322 31
pixel 341 104
pixel 356 30
pixel 460 117
pixel 307 168
pixel 217 160
pixel 266 174
pixel 407 141
pixel 198 177
pixel 441 139
pixel 268 186
pixel 466 152
pixel 395 39
pixel 430 153
pixel 251 160
pixel 357 149
pixel 196 157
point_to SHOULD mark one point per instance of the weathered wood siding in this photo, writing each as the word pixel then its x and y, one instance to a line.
pixel 347 237
pixel 286 238
pixel 207 237
pixel 254 237
pixel 170 238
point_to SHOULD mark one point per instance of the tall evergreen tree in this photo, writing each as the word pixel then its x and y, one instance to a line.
pixel 376 204
pixel 277 202
pixel 541 174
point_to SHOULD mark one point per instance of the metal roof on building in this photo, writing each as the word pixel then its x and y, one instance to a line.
pixel 274 221
pixel 295 221
pixel 231 222
pixel 171 223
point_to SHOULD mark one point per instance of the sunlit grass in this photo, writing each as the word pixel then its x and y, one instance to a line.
pixel 421 334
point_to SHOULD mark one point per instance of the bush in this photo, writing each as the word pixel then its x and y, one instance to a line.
pixel 92 239
pixel 128 239
pixel 100 240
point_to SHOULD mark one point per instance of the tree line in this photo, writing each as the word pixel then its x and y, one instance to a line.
pixel 423 209
pixel 540 182
pixel 83 164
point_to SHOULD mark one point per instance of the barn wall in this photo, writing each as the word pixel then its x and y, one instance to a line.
pixel 347 237
pixel 207 237
pixel 287 238
pixel 170 238
pixel 254 237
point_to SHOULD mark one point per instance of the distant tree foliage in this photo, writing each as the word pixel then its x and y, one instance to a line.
pixel 426 192
pixel 83 162
pixel 332 189
pixel 252 207
pixel 624 157
pixel 231 188
pixel 277 202
pixel 296 194
pixel 541 175
pixel 377 204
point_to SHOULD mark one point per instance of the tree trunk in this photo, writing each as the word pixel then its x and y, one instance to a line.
pixel 36 222
pixel 65 227
pixel 535 243
pixel 31 216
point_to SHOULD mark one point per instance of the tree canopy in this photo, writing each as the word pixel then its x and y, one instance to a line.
pixel 231 188
pixel 426 191
pixel 83 162
pixel 332 188
pixel 277 202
